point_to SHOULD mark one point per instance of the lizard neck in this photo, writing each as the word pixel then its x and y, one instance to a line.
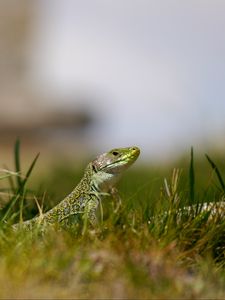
pixel 76 201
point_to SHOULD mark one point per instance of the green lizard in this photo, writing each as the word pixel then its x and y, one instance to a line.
pixel 99 180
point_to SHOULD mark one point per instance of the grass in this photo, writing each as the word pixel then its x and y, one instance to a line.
pixel 138 252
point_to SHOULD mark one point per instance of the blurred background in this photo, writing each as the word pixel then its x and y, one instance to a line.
pixel 80 77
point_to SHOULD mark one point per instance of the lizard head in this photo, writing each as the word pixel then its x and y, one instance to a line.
pixel 109 165
pixel 116 160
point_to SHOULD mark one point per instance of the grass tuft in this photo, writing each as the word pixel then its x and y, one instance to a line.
pixel 15 205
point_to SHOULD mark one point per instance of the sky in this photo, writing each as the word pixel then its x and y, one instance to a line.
pixel 151 72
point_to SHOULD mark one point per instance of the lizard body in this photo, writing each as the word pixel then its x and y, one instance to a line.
pixel 99 179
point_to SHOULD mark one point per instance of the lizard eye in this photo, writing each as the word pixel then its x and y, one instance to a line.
pixel 115 153
pixel 94 168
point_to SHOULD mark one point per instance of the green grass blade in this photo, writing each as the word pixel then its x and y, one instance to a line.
pixel 30 169
pixel 7 209
pixel 23 182
pixel 17 161
pixel 192 178
pixel 215 168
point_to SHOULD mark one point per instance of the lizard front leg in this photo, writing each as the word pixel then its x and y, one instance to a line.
pixel 90 213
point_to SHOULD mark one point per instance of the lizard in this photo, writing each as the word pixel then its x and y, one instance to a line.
pixel 99 180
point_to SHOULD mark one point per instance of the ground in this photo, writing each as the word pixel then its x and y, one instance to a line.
pixel 137 252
